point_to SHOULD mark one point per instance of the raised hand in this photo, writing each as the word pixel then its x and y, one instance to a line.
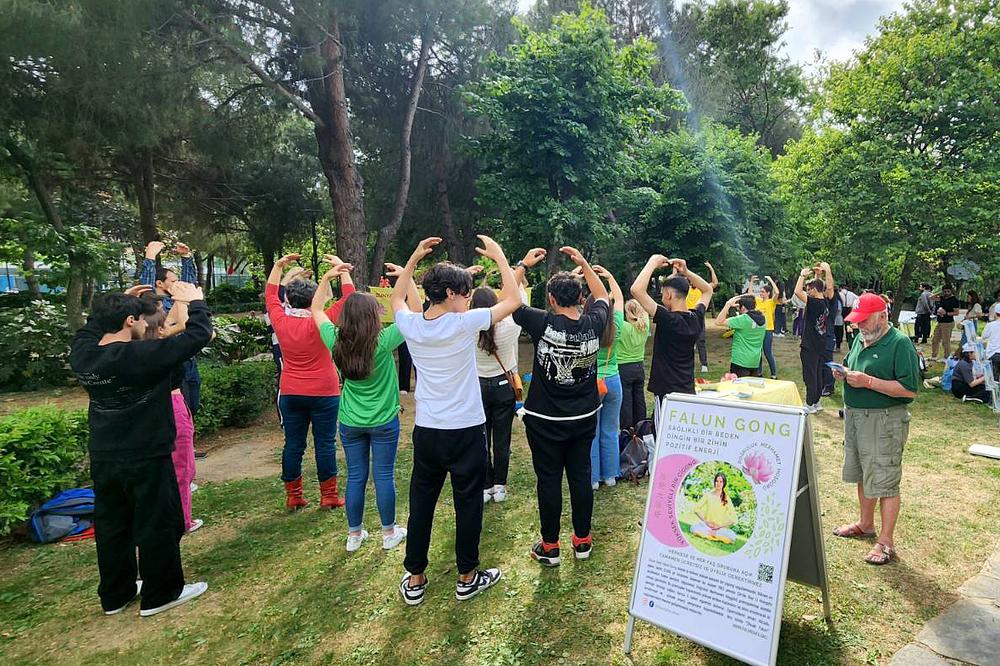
pixel 474 269
pixel 424 248
pixel 533 256
pixel 138 290
pixel 332 259
pixel 182 249
pixel 806 272
pixel 659 261
pixel 283 262
pixel 153 248
pixel 602 271
pixel 490 248
pixel 574 254
pixel 680 265
pixel 393 270
pixel 185 292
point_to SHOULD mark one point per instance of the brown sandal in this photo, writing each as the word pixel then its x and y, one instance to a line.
pixel 853 531
pixel 881 554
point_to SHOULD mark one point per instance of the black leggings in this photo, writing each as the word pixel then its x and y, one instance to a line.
pixel 960 389
pixel 633 376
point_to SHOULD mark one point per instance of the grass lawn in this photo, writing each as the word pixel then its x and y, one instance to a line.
pixel 284 591
pixel 709 546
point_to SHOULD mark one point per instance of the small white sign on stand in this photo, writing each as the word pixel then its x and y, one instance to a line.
pixel 714 552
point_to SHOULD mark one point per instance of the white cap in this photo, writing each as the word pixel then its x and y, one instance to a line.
pixel 969 347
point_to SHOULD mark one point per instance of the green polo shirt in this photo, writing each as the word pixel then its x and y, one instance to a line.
pixel 892 357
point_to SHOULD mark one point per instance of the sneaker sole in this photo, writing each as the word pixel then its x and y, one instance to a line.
pixel 583 556
pixel 478 591
pixel 173 604
pixel 545 561
pixel 138 592
pixel 412 602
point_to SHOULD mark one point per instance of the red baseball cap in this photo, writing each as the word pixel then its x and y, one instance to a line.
pixel 868 304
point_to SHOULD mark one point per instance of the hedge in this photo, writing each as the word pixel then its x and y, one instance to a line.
pixel 43 450
pixel 234 395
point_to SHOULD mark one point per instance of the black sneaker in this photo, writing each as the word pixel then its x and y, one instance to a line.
pixel 413 595
pixel 582 547
pixel 546 554
pixel 483 579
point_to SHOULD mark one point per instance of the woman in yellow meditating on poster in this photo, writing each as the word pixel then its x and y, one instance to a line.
pixel 716 513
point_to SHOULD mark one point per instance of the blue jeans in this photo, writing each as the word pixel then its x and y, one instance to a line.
pixel 380 443
pixel 297 412
pixel 769 354
pixel 604 449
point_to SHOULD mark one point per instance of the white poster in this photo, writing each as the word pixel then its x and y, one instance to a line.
pixel 714 551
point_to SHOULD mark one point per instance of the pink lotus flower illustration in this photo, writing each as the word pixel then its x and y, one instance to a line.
pixel 758 467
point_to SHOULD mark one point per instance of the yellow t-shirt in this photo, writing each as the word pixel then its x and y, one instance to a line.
pixel 767 308
pixel 694 295
pixel 712 510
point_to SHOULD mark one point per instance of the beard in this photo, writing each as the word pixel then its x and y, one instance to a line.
pixel 874 334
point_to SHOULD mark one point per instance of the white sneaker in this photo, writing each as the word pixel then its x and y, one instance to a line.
pixel 817 407
pixel 704 369
pixel 499 493
pixel 194 486
pixel 190 591
pixel 391 541
pixel 487 495
pixel 354 540
pixel 138 591
pixel 610 482
pixel 195 525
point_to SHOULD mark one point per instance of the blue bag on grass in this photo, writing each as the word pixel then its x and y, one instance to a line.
pixel 67 514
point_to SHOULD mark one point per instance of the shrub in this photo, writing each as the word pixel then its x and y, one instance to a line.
pixel 234 395
pixel 237 339
pixel 42 452
pixel 34 346
pixel 228 294
pixel 237 308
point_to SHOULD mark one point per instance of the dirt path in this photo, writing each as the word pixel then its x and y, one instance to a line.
pixel 242 453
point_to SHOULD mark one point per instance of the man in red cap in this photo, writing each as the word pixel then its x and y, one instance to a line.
pixel 881 378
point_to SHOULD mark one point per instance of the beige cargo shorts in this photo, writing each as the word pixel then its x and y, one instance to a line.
pixel 873 448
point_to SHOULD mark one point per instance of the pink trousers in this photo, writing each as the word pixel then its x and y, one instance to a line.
pixel 183 454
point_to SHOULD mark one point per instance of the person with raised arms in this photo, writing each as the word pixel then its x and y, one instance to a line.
pixel 748 327
pixel 677 326
pixel 560 412
pixel 692 300
pixel 767 304
pixel 631 347
pixel 448 431
pixel 604 449
pixel 818 296
pixel 132 432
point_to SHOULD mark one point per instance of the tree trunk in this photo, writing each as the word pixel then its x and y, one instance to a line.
pixel 456 252
pixel 268 260
pixel 142 174
pixel 199 266
pixel 336 153
pixel 905 275
pixel 388 232
pixel 209 273
pixel 28 266
pixel 88 293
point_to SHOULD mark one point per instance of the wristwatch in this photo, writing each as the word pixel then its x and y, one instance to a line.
pixel 521 264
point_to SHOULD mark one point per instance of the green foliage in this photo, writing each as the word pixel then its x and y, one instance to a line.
pixel 562 105
pixel 234 395
pixel 42 452
pixel 701 480
pixel 229 294
pixel 34 346
pixel 237 339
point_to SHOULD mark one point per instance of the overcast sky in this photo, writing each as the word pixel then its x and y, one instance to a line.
pixel 836 27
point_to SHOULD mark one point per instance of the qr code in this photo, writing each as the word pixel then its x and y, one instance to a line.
pixel 765 573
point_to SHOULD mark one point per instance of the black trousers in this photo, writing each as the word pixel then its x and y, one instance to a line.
pixel 191 386
pixel 960 389
pixel 633 376
pixel 498 403
pixel 557 446
pixel 829 383
pixel 437 453
pixel 922 328
pixel 136 504
pixel 838 331
pixel 812 374
pixel 780 320
pixel 702 347
pixel 405 367
pixel 740 371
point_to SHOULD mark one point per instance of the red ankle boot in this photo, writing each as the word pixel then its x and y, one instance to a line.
pixel 293 495
pixel 328 493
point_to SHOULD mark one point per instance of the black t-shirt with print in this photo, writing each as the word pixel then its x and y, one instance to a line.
pixel 817 324
pixel 950 304
pixel 564 372
pixel 672 370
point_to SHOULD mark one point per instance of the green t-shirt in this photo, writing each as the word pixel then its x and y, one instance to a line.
pixel 748 340
pixel 374 400
pixel 607 365
pixel 892 357
pixel 631 344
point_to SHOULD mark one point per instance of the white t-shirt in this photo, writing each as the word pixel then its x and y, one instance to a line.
pixel 444 353
pixel 505 333
pixel 991 336
pixel 848 298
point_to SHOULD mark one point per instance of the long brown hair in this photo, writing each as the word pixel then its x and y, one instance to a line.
pixel 608 334
pixel 357 336
pixel 725 482
pixel 485 297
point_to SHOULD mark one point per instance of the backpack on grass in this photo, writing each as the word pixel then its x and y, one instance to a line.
pixel 635 447
pixel 68 514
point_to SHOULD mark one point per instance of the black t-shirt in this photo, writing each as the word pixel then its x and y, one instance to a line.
pixel 817 324
pixel 950 304
pixel 564 373
pixel 672 370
